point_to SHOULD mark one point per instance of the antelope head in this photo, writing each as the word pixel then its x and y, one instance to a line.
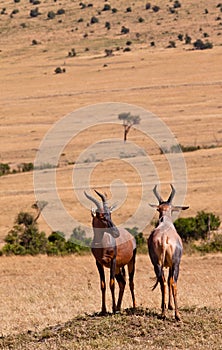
pixel 102 215
pixel 166 207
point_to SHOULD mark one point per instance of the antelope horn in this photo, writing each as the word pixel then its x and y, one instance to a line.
pixel 173 191
pixel 157 194
pixel 93 200
pixel 103 197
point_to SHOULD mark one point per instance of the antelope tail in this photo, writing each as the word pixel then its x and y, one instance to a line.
pixel 156 284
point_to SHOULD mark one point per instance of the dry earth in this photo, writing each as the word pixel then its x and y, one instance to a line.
pixel 41 291
pixel 180 85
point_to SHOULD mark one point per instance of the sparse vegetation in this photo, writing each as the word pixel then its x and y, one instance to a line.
pixel 200 45
pixel 198 227
pixel 35 12
pixel 59 70
pixel 124 30
pixel 141 328
pixel 26 239
pixel 140 240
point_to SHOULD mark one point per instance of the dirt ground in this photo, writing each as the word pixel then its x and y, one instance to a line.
pixel 180 85
pixel 41 291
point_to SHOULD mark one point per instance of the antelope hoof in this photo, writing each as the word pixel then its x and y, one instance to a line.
pixel 170 307
pixel 103 313
pixel 163 316
pixel 177 317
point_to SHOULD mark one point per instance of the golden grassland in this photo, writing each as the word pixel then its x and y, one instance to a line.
pixel 180 85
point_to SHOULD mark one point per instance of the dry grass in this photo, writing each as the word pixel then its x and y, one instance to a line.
pixel 48 295
pixel 140 328
pixel 182 87
pixel 41 291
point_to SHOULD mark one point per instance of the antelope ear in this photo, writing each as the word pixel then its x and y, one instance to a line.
pixel 178 207
pixel 154 206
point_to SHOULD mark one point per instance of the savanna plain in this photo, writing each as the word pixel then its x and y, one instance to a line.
pixel 127 52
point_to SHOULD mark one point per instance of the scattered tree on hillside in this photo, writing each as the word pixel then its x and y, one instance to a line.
pixel 128 121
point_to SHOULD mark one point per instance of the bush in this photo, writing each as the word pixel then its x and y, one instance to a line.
pixel 25 238
pixel 197 227
pixel 61 12
pixel 186 228
pixel 57 244
pixel 60 70
pixel 200 45
pixel 124 30
pixel 94 20
pixel 172 44
pixel 176 4
pixel 212 246
pixel 4 169
pixel 140 240
pixel 51 15
pixel 107 25
pixel 148 6
pixel 155 8
pixel 34 12
pixel 106 7
pixel 187 39
pixel 78 237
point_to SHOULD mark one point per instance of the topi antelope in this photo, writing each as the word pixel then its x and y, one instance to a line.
pixel 165 250
pixel 112 248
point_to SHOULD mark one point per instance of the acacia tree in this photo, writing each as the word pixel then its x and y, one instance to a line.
pixel 128 121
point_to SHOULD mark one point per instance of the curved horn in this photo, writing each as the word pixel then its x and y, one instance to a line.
pixel 173 191
pixel 93 200
pixel 103 197
pixel 157 194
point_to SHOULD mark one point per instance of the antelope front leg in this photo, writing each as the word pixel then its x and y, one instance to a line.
pixel 103 286
pixel 112 283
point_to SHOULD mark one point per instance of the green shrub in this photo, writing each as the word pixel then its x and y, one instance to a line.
pixel 61 12
pixel 106 7
pixel 155 8
pixel 51 15
pixel 25 238
pixel 57 244
pixel 187 39
pixel 4 169
pixel 148 6
pixel 107 25
pixel 94 20
pixel 34 12
pixel 200 45
pixel 212 246
pixel 197 227
pixel 78 237
pixel 124 30
pixel 186 227
pixel 140 240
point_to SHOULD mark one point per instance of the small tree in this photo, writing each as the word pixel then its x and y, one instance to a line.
pixel 24 237
pixel 128 121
